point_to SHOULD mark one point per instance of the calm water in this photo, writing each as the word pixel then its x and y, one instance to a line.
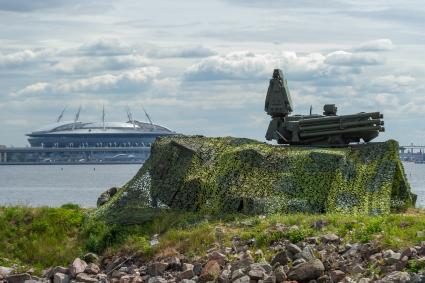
pixel 55 185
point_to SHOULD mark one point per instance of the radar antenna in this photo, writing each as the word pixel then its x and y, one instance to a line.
pixel 148 117
pixel 130 117
pixel 61 115
pixel 103 117
pixel 77 116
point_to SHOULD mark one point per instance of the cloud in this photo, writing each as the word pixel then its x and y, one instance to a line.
pixel 383 44
pixel 92 64
pixel 343 58
pixel 181 52
pixel 251 66
pixel 34 5
pixel 128 81
pixel 19 59
pixel 105 47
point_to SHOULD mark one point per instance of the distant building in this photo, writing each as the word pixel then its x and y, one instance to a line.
pixel 78 134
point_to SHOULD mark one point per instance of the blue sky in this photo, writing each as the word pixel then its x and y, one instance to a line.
pixel 202 67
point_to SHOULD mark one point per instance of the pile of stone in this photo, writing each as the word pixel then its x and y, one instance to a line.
pixel 316 259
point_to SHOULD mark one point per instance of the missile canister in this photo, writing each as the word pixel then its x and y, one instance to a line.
pixel 314 129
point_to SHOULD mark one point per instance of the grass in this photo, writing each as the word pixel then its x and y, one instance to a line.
pixel 43 237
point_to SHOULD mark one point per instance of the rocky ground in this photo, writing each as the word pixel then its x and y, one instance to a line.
pixel 316 259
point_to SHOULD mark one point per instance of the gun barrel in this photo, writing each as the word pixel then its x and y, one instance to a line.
pixel 328 119
pixel 344 131
pixel 342 125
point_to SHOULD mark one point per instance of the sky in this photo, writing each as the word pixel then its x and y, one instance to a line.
pixel 202 67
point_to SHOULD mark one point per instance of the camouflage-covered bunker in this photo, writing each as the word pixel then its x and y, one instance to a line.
pixel 230 175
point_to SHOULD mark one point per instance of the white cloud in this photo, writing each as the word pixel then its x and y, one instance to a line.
pixel 128 81
pixel 105 47
pixel 249 66
pixel 197 51
pixel 81 65
pixel 383 44
pixel 18 59
pixel 343 58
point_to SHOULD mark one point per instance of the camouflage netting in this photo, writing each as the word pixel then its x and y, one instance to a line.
pixel 229 175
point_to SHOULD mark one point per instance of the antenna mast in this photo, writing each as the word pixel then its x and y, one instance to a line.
pixel 130 117
pixel 103 117
pixel 76 117
pixel 61 115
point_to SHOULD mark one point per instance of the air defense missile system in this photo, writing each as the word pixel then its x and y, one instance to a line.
pixel 314 129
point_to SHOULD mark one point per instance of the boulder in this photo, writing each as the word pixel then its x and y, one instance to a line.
pixel 5 271
pixel 235 175
pixel 84 277
pixel 60 278
pixel 18 278
pixel 157 268
pixel 210 272
pixel 77 266
pixel 306 271
pixel 281 258
pixel 92 268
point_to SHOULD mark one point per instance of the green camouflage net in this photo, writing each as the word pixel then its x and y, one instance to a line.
pixel 233 175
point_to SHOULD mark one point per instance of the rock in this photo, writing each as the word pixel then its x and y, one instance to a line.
pixel 409 252
pixel 118 274
pixel 225 276
pixel 90 258
pixel 18 278
pixel 257 273
pixel 243 279
pixel 244 261
pixel 126 278
pixel 84 277
pixel 187 274
pixel 210 272
pixel 324 279
pixel 5 271
pixel 330 238
pixel 157 279
pixel 219 257
pixel 60 278
pixel 396 277
pixel 187 281
pixel 364 280
pixel 298 261
pixel 174 264
pixel 269 279
pixel 337 275
pixel 197 268
pixel 357 269
pixel 420 234
pixel 392 258
pixel 238 273
pixel 292 248
pixel 92 268
pixel 306 271
pixel 77 266
pixel 106 196
pixel 60 269
pixel 281 258
pixel 280 274
pixel 157 268
pixel 187 266
pixel 264 265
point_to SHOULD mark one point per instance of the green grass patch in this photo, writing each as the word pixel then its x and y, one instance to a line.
pixel 43 237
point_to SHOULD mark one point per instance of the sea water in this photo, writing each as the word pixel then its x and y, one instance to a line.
pixel 53 185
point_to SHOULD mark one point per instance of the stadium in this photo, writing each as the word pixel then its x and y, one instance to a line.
pixel 78 134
